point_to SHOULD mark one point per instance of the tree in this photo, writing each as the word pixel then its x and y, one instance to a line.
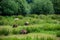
pixel 24 6
pixel 56 4
pixel 10 7
pixel 15 7
pixel 29 1
pixel 42 6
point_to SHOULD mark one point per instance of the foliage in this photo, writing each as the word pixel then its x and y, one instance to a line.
pixel 10 7
pixel 23 7
pixel 56 4
pixel 41 23
pixel 42 7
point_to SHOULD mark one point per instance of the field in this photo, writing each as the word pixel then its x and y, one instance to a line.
pixel 41 27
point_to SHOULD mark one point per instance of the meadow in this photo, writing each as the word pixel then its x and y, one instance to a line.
pixel 41 27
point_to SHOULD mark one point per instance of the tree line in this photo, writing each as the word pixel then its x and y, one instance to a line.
pixel 23 7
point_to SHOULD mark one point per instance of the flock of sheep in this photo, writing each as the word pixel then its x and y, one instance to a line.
pixel 22 31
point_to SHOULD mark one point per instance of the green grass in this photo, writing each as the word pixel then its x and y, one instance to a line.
pixel 31 28
pixel 38 24
pixel 31 36
pixel 58 34
pixel 32 19
pixel 27 38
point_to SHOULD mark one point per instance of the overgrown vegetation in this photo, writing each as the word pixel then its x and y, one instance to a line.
pixel 37 23
pixel 47 24
pixel 29 20
pixel 32 19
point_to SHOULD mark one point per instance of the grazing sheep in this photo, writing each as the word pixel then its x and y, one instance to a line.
pixel 16 19
pixel 23 32
pixel 26 23
pixel 15 25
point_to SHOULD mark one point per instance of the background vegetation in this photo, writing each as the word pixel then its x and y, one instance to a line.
pixel 15 7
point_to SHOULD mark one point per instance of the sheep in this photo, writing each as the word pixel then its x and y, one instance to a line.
pixel 15 25
pixel 16 19
pixel 26 23
pixel 23 31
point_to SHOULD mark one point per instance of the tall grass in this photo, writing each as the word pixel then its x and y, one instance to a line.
pixel 58 34
pixel 37 24
pixel 28 38
pixel 4 32
pixel 31 28
pixel 32 19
